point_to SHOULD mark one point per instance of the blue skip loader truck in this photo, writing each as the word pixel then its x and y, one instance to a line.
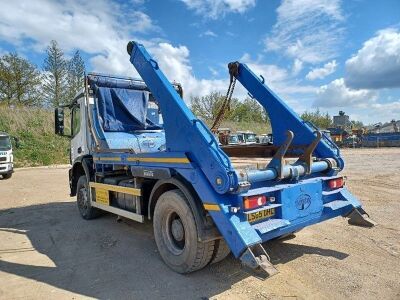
pixel 137 151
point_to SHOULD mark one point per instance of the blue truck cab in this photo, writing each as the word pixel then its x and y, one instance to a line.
pixel 138 151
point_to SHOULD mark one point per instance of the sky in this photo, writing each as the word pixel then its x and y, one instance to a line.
pixel 327 54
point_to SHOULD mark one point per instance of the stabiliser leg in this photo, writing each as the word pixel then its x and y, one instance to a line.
pixel 358 217
pixel 255 261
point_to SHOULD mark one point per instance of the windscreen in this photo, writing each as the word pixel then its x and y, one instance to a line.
pixel 233 139
pixel 251 137
pixel 124 109
pixel 5 143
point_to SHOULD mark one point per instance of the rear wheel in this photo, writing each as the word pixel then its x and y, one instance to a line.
pixel 82 198
pixel 221 251
pixel 176 234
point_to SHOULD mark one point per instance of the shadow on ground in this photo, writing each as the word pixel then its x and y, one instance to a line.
pixel 105 259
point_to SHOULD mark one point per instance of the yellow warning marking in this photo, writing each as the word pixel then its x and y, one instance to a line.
pixel 116 188
pixel 213 207
pixel 177 160
pixel 109 158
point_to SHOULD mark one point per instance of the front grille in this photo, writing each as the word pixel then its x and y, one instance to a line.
pixel 4 158
pixel 2 168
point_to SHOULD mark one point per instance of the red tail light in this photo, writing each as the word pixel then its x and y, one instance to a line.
pixel 254 201
pixel 336 183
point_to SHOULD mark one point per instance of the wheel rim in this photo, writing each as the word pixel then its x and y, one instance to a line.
pixel 174 233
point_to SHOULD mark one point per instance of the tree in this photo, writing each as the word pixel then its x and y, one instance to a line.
pixel 317 118
pixel 249 111
pixel 75 76
pixel 19 81
pixel 56 68
pixel 357 124
pixel 207 107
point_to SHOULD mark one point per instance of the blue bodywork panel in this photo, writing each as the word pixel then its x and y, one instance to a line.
pixel 188 148
pixel 139 142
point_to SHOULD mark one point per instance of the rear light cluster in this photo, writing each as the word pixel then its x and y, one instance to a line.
pixel 336 183
pixel 254 201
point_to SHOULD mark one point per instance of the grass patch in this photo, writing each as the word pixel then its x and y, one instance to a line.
pixel 38 145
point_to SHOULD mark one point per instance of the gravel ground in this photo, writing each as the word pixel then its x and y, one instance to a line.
pixel 48 251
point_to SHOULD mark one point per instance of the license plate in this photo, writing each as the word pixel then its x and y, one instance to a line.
pixel 260 215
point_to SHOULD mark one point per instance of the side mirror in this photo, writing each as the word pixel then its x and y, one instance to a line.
pixel 16 142
pixel 59 121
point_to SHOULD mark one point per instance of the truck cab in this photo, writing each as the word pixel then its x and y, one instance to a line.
pixel 247 137
pixel 6 156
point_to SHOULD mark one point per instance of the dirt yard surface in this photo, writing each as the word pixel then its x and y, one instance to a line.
pixel 48 252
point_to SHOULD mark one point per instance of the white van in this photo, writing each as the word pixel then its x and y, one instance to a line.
pixel 6 156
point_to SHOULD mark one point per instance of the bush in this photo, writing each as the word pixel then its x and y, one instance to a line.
pixel 34 127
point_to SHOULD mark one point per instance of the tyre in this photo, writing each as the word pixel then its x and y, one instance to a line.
pixel 221 251
pixel 82 198
pixel 7 176
pixel 176 234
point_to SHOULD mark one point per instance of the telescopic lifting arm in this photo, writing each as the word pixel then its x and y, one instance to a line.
pixel 284 119
pixel 183 131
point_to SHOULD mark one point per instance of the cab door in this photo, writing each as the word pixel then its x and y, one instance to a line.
pixel 78 130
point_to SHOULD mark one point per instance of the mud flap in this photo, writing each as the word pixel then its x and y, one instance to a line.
pixel 359 217
pixel 256 262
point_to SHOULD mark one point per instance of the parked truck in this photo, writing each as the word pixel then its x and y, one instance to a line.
pixel 170 169
pixel 6 156
pixel 246 137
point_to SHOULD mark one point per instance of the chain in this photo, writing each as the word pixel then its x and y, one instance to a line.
pixel 226 105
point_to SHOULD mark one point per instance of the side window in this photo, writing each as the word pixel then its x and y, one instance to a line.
pixel 76 120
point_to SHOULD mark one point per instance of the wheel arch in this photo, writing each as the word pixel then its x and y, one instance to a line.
pixel 80 167
pixel 205 226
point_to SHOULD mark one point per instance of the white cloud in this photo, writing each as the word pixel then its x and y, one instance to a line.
pixel 337 94
pixel 297 66
pixel 271 73
pixel 386 111
pixel 213 71
pixel 214 9
pixel 375 112
pixel 309 30
pixel 320 73
pixel 101 33
pixel 377 64
pixel 277 78
pixel 74 24
pixel 174 61
pixel 208 33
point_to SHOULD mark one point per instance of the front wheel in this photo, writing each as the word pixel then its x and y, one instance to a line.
pixel 82 198
pixel 176 235
pixel 7 176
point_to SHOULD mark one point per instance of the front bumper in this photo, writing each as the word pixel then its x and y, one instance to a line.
pixel 6 168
